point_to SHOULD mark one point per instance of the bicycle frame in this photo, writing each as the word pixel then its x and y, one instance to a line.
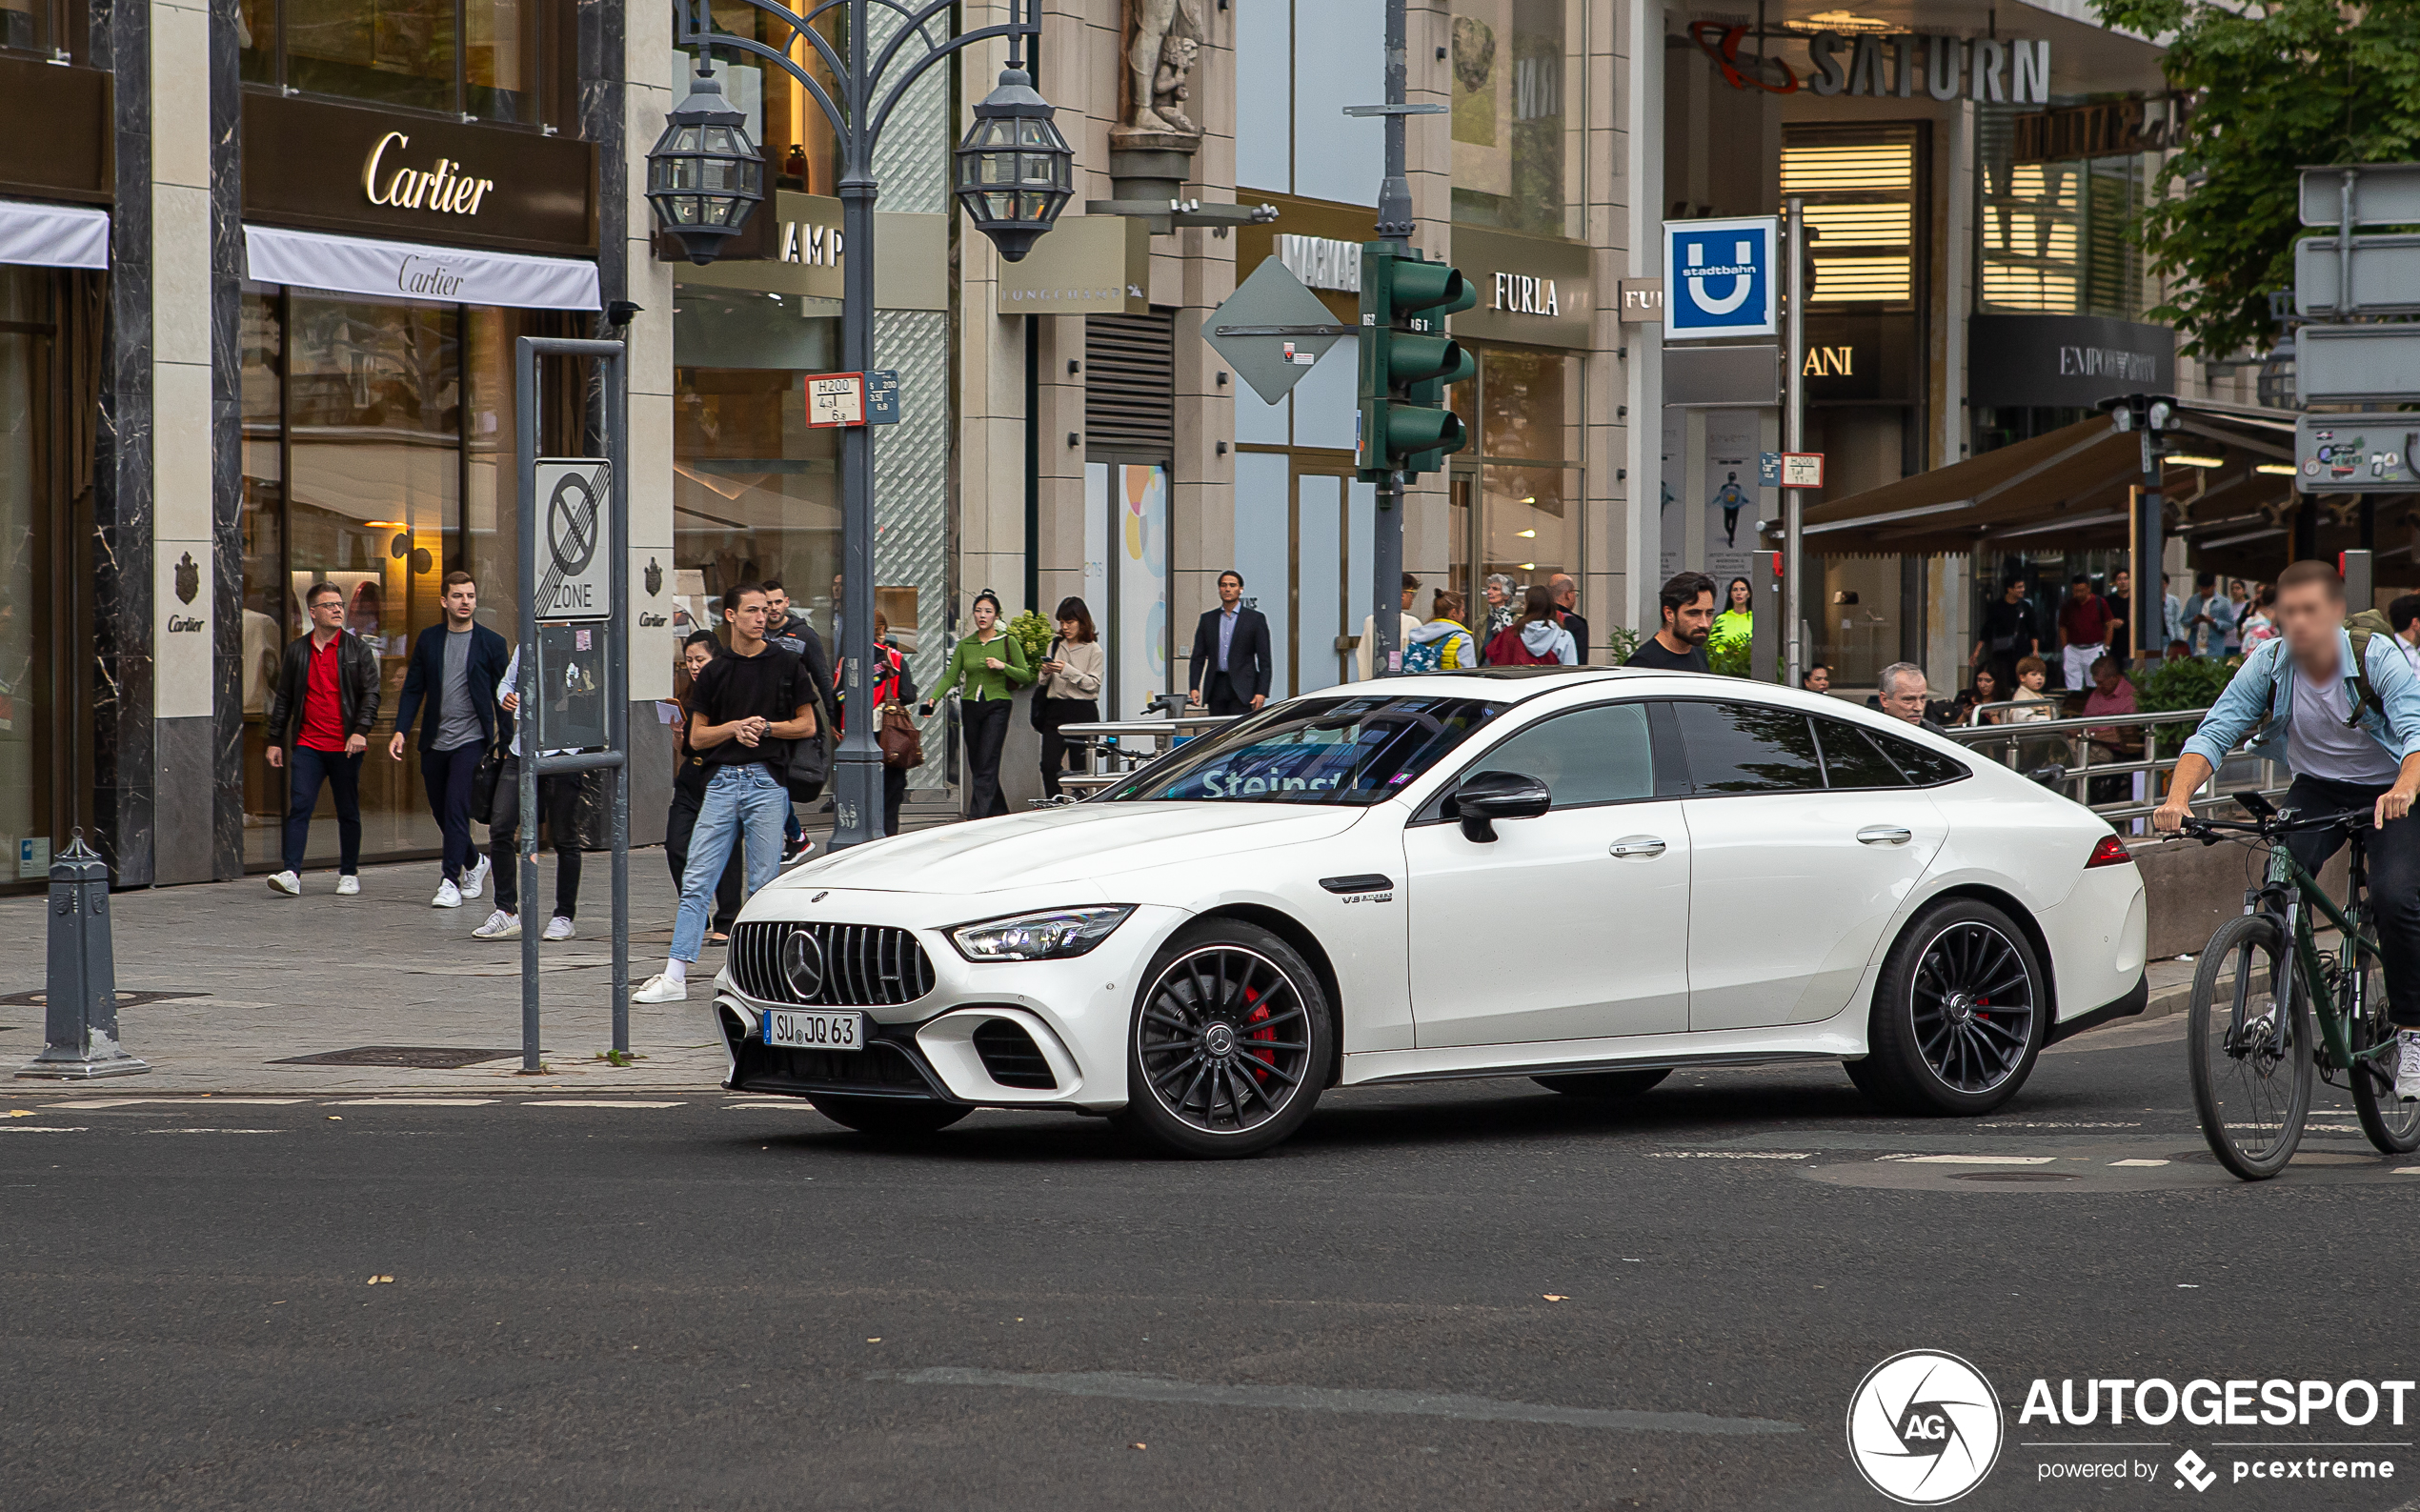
pixel 2285 872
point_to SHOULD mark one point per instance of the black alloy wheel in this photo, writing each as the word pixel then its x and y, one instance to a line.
pixel 1230 1047
pixel 1959 1014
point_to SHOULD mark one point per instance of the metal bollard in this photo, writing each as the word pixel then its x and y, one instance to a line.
pixel 81 1003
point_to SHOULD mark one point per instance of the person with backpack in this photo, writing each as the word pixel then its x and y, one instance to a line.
pixel 894 688
pixel 1538 639
pixel 2336 698
pixel 1679 644
pixel 1445 644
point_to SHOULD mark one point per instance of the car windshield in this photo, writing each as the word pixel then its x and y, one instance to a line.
pixel 1348 749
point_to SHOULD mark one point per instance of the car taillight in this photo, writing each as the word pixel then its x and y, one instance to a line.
pixel 2110 851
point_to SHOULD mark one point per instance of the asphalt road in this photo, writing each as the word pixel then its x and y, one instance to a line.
pixel 1474 1295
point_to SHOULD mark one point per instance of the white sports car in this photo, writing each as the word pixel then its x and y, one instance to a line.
pixel 1584 875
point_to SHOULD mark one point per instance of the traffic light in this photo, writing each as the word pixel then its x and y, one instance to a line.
pixel 1407 361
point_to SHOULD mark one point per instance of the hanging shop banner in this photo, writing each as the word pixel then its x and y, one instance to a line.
pixel 1719 278
pixel 389 270
pixel 53 236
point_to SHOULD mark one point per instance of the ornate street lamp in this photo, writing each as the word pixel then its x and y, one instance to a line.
pixel 1015 170
pixel 705 177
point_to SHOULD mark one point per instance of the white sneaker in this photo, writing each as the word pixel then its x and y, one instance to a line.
pixel 661 988
pixel 559 928
pixel 448 896
pixel 500 925
pixel 348 886
pixel 2408 1064
pixel 476 882
pixel 286 882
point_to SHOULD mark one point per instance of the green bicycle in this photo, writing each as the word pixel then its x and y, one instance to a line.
pixel 2249 1030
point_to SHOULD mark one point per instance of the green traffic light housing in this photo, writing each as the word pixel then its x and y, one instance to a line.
pixel 1407 361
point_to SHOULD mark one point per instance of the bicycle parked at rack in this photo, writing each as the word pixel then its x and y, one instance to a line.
pixel 2262 981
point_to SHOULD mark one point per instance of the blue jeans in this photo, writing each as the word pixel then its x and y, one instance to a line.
pixel 741 801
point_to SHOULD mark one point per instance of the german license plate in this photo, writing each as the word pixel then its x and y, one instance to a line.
pixel 785 1029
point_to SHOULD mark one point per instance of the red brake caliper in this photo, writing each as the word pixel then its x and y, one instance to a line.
pixel 1260 1015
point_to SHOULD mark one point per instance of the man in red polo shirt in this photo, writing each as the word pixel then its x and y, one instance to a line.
pixel 324 704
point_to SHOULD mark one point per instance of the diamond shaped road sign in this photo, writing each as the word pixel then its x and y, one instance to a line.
pixel 1272 328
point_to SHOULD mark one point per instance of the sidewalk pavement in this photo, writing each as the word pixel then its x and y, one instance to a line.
pixel 231 982
pixel 248 978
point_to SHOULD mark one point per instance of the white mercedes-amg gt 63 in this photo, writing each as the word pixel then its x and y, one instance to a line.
pixel 1587 876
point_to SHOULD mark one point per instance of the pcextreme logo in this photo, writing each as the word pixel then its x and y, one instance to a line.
pixel 1924 1427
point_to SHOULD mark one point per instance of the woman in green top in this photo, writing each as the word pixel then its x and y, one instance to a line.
pixel 986 668
pixel 1739 618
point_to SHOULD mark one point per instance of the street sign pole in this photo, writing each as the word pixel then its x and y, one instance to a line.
pixel 1394 225
pixel 1794 439
pixel 575 523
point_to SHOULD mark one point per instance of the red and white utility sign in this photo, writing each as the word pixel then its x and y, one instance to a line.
pixel 1802 470
pixel 835 398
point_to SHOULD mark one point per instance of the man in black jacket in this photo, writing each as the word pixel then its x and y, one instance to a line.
pixel 322 708
pixel 455 666
pixel 1231 665
pixel 792 632
pixel 1567 591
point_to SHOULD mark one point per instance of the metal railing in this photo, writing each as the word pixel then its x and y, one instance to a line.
pixel 2081 746
pixel 1114 749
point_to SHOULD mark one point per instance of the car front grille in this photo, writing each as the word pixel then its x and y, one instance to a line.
pixel 861 965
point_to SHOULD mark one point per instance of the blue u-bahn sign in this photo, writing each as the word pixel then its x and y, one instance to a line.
pixel 1719 278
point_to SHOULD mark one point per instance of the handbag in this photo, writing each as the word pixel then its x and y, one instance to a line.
pixel 810 767
pixel 903 743
pixel 1033 705
pixel 483 780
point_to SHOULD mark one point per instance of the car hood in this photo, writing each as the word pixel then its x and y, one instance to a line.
pixel 1079 843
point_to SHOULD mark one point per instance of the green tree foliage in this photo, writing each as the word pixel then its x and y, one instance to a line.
pixel 2274 87
pixel 2192 683
pixel 1034 633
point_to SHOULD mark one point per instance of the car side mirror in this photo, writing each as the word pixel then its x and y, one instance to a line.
pixel 1486 796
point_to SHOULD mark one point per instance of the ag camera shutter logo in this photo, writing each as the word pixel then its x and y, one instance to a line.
pixel 1719 277
pixel 1924 1427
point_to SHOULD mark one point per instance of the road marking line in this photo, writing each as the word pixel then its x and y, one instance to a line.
pixel 1331 1399
pixel 38 1128
pixel 1731 1154
pixel 181 1102
pixel 2408 1170
pixel 2138 1162
pixel 1973 1160
pixel 413 1103
pixel 567 1102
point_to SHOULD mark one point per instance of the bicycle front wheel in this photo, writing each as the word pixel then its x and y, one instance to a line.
pixel 2392 1126
pixel 2248 1036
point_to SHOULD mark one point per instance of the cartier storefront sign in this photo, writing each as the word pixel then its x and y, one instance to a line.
pixel 340 168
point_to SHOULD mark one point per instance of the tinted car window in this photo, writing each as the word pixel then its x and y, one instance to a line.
pixel 1748 748
pixel 1588 755
pixel 1353 751
pixel 1925 768
pixel 1851 760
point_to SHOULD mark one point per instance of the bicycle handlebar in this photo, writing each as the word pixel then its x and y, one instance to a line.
pixel 2209 832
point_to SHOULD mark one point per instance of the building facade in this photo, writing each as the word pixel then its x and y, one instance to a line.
pixel 258 304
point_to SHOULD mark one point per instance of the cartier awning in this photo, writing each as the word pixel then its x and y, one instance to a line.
pixel 53 236
pixel 394 269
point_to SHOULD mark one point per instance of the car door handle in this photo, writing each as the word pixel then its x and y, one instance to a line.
pixel 1885 835
pixel 1639 845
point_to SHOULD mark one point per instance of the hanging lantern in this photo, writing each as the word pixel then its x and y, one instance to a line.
pixel 703 175
pixel 1014 171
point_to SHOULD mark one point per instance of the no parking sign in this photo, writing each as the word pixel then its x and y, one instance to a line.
pixel 1719 277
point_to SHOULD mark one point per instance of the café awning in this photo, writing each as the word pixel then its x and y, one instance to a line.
pixel 395 269
pixel 2070 489
pixel 53 236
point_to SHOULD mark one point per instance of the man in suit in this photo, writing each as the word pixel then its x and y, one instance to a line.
pixel 1566 593
pixel 455 666
pixel 1231 663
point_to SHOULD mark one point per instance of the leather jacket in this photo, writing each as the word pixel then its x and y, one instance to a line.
pixel 358 687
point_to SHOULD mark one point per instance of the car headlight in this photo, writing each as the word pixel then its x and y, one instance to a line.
pixel 1053 934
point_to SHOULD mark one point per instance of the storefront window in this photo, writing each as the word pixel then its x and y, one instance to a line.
pixel 477 58
pixel 1516 494
pixel 2055 237
pixel 26 25
pixel 756 493
pixel 1516 152
pixel 359 451
pixel 25 770
pixel 1861 185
